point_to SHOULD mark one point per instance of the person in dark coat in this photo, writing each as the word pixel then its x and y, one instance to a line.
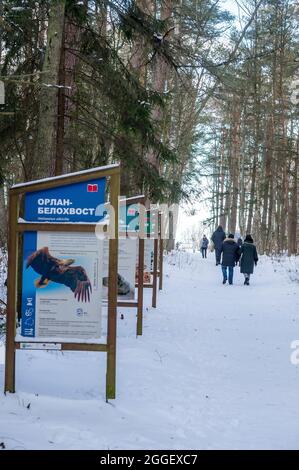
pixel 249 258
pixel 230 256
pixel 204 246
pixel 217 238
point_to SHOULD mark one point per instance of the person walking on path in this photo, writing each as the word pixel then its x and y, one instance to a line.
pixel 249 258
pixel 217 238
pixel 230 256
pixel 204 246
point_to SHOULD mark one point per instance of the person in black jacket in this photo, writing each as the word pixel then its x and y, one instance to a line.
pixel 217 238
pixel 204 246
pixel 249 258
pixel 230 256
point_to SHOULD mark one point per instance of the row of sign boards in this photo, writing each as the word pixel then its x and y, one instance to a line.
pixel 70 269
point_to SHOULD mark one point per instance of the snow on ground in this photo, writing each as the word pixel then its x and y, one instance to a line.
pixel 212 371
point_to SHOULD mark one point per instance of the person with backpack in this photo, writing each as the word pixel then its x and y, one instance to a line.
pixel 217 238
pixel 204 246
pixel 249 258
pixel 230 256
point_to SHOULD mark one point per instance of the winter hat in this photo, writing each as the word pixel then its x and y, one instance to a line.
pixel 248 239
pixel 231 235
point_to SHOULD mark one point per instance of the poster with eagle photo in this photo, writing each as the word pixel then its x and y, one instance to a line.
pixel 62 291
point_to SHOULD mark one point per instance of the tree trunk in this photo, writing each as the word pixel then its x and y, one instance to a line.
pixel 222 216
pixel 252 195
pixel 235 164
pixel 160 76
pixel 45 147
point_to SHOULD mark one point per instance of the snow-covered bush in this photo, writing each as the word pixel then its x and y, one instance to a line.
pixel 288 265
pixel 184 259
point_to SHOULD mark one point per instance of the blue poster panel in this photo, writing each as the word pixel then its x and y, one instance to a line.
pixel 78 202
pixel 129 218
pixel 62 271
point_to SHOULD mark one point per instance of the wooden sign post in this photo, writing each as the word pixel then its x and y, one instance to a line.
pixel 17 226
pixel 151 229
pixel 155 273
pixel 136 200
pixel 161 250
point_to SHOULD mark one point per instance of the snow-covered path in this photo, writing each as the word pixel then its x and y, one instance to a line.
pixel 212 371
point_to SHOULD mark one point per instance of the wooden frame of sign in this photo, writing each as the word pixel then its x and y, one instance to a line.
pixel 160 254
pixel 17 227
pixel 160 272
pixel 139 302
pixel 154 285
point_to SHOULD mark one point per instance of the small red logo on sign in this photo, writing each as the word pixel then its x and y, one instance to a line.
pixel 92 188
